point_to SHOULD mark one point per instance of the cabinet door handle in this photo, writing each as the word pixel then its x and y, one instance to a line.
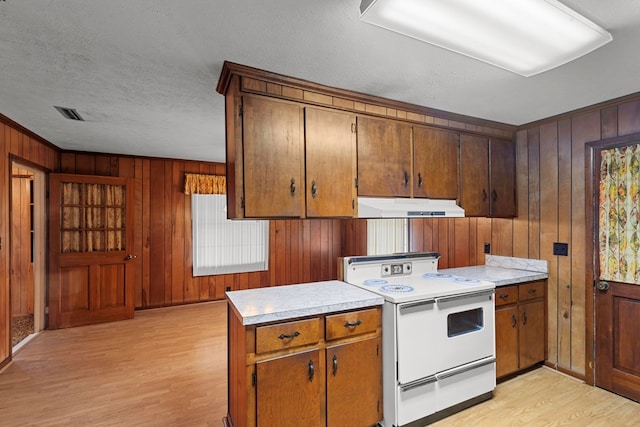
pixel 288 336
pixel 352 324
pixel 293 187
pixel 494 195
pixel 420 180
pixel 406 179
pixel 484 195
pixel 314 189
pixel 524 318
pixel 514 320
pixel 503 296
pixel 335 365
pixel 311 370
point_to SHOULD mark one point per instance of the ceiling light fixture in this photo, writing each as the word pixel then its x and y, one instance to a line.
pixel 526 37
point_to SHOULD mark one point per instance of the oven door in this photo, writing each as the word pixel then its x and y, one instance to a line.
pixel 442 333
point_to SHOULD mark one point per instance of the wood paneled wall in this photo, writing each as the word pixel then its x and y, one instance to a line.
pixel 299 250
pixel 551 195
pixel 19 144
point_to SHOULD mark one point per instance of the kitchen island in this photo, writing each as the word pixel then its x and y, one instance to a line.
pixel 297 354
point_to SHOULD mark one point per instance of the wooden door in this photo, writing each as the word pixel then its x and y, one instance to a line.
pixel 273 153
pixel 288 391
pixel 435 163
pixel 474 175
pixel 90 246
pixel 617 270
pixel 384 158
pixel 503 178
pixel 354 384
pixel 330 150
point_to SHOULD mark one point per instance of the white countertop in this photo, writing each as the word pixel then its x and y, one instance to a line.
pixel 501 276
pixel 279 303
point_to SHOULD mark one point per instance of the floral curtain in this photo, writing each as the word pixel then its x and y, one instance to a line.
pixel 204 184
pixel 619 214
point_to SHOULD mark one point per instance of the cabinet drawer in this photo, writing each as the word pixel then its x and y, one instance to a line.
pixel 287 335
pixel 533 290
pixel 352 323
pixel 506 295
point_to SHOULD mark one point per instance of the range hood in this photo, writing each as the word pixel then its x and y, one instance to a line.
pixel 378 207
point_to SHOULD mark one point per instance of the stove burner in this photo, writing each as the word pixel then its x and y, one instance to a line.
pixel 396 288
pixel 436 276
pixel 375 282
pixel 467 281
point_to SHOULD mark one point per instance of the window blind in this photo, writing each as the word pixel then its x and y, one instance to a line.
pixel 387 236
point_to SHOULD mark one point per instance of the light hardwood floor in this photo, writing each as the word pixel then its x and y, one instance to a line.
pixel 167 367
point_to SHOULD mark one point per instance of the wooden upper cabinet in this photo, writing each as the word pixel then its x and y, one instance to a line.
pixel 474 175
pixel 503 178
pixel 435 163
pixel 330 142
pixel 487 173
pixel 384 158
pixel 273 155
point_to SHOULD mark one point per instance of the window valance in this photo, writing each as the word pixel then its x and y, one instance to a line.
pixel 196 183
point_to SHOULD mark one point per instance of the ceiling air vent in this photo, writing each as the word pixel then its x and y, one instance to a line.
pixel 69 113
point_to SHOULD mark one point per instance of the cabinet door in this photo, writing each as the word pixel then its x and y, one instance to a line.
pixel 506 340
pixel 384 158
pixel 288 391
pixel 532 333
pixel 503 178
pixel 435 163
pixel 354 383
pixel 474 175
pixel 273 152
pixel 330 147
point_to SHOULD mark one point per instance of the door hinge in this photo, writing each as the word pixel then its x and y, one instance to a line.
pixel 355 182
pixel 377 349
pixel 254 379
pixel 240 110
pixel 354 128
pixel 242 202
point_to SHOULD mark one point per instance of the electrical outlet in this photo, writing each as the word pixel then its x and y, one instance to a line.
pixel 487 248
pixel 561 249
pixel 228 289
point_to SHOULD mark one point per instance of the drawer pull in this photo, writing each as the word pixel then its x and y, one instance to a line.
pixel 289 336
pixel 352 325
pixel 504 296
pixel 532 291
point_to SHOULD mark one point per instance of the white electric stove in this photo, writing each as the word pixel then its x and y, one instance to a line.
pixel 437 332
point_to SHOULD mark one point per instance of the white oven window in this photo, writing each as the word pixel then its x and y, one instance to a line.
pixel 465 322
pixel 387 236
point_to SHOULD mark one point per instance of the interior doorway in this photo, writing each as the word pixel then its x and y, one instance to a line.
pixel 27 247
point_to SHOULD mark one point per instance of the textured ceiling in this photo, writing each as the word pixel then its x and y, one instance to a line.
pixel 143 73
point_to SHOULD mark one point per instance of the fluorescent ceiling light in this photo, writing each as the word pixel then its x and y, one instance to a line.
pixel 526 37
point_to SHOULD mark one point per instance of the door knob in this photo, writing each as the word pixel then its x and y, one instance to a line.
pixel 603 286
pixel 129 257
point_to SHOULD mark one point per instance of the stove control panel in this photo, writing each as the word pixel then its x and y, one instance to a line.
pixel 400 269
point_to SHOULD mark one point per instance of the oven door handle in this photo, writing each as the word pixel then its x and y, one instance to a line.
pixel 465 296
pixel 417 304
pixel 418 383
pixel 465 368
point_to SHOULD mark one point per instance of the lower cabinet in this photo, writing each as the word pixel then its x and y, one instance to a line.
pixel 520 327
pixel 320 371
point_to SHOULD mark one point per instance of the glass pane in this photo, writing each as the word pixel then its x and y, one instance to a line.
pixel 464 322
pixel 94 218
pixel 70 218
pixel 95 241
pixel 115 218
pixel 95 194
pixel 71 193
pixel 71 241
pixel 115 240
